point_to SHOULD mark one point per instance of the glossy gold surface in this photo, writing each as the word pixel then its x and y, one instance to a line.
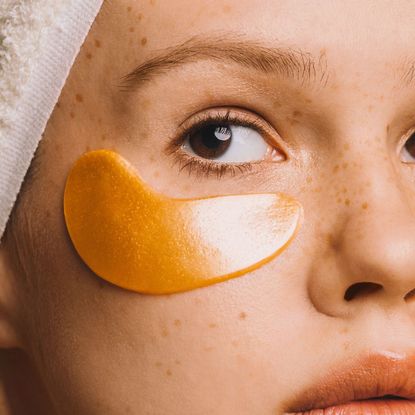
pixel 144 241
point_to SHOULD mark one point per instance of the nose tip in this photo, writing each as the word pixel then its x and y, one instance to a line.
pixel 382 260
pixel 370 261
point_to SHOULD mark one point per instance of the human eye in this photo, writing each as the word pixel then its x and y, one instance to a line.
pixel 225 141
pixel 408 150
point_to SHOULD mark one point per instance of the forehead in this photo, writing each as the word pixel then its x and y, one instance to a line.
pixel 359 39
pixel 371 27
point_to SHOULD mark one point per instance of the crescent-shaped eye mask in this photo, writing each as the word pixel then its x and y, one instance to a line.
pixel 144 241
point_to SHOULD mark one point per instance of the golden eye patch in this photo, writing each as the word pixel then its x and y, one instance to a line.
pixel 144 241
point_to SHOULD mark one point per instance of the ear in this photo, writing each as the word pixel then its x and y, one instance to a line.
pixel 8 302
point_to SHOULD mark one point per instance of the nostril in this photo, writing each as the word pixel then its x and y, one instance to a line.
pixel 361 289
pixel 410 296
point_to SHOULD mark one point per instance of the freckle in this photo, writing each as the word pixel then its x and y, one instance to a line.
pixel 129 8
pixel 47 214
pixel 99 120
pixel 227 8
pixel 165 333
pixel 72 115
pixel 158 364
pixel 58 104
pixel 140 16
pixel 309 179
pixel 146 104
pixel 143 41
pixel 88 148
pixel 345 165
pixel 152 159
pixel 387 128
pixel 364 205
pixel 177 323
pixel 212 325
pixel 97 43
pixel 329 238
pixel 177 362
pixel 297 113
pixel 132 29
pixel 103 137
pixel 339 200
pixel 152 2
pixel 168 372
pixel 347 202
pixel 346 146
pixel 79 98
pixel 242 316
pixel 370 108
pixel 89 55
pixel 308 100
pixel 336 168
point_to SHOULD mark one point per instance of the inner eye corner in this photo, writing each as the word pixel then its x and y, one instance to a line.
pixel 407 149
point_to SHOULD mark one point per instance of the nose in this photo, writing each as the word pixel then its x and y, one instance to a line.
pixel 369 260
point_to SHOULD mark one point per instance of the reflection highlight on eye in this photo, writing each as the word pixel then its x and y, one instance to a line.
pixel 408 150
pixel 225 141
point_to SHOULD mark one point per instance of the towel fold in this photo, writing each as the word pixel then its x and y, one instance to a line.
pixel 39 41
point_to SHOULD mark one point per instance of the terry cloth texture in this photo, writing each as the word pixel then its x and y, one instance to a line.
pixel 39 41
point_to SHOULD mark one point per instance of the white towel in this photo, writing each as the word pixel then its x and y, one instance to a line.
pixel 39 41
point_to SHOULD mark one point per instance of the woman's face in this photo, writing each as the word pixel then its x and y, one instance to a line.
pixel 331 87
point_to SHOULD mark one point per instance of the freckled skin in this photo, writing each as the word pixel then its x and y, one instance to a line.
pixel 99 349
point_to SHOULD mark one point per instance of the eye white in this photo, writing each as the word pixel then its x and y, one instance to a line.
pixel 246 145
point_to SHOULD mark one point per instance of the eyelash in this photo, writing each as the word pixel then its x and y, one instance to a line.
pixel 207 168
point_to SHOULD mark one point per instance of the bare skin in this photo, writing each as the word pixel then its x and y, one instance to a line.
pixel 248 345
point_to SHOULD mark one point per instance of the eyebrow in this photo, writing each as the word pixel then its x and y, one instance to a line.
pixel 289 63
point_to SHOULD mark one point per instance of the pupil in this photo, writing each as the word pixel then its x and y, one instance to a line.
pixel 211 141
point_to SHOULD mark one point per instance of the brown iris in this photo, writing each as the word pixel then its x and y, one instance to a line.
pixel 211 141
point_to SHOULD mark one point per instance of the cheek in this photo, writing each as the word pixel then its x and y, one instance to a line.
pixel 106 347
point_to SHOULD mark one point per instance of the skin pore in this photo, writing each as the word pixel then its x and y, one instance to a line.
pixel 330 86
